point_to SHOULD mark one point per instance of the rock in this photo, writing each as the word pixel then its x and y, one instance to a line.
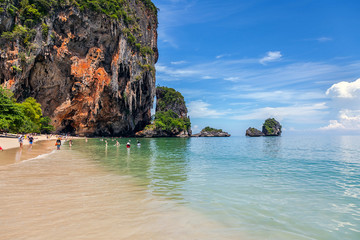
pixel 271 127
pixel 211 132
pixel 86 71
pixel 253 132
pixel 170 111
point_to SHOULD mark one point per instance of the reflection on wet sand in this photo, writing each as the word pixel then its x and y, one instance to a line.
pixel 16 155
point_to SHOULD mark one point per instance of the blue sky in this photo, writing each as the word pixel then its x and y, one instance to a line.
pixel 239 62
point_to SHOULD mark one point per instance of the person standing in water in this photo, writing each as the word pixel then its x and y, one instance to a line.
pixel 70 143
pixel 58 143
pixel 128 145
pixel 21 140
pixel 117 144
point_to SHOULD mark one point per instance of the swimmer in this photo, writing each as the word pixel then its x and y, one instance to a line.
pixel 70 143
pixel 117 144
pixel 106 143
pixel 138 143
pixel 128 145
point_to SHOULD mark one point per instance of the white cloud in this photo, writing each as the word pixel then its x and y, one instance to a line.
pixel 345 103
pixel 178 62
pixel 271 57
pixel 195 128
pixel 222 55
pixel 345 90
pixel 348 120
pixel 324 39
pixel 296 113
pixel 200 109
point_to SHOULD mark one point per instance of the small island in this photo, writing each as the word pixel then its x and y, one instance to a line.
pixel 171 118
pixel 271 127
pixel 211 132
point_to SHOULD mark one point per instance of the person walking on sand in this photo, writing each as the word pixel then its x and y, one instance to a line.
pixel 58 143
pixel 21 140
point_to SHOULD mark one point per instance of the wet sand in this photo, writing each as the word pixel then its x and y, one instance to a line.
pixel 63 195
pixel 17 154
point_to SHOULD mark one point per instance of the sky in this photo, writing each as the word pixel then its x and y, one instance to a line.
pixel 239 62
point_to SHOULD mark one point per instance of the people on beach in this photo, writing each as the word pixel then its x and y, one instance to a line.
pixel 58 143
pixel 21 140
pixel 1 149
pixel 31 140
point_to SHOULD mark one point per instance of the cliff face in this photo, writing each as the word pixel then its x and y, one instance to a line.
pixel 171 118
pixel 92 74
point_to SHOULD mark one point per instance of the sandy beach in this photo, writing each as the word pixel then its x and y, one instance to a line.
pixel 8 142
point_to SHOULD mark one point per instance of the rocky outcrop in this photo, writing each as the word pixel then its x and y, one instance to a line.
pixel 171 118
pixel 152 132
pixel 271 127
pixel 211 134
pixel 253 132
pixel 93 74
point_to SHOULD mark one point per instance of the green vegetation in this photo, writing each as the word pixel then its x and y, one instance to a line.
pixel 169 97
pixel 22 117
pixel 33 12
pixel 170 122
pixel 45 30
pixel 165 118
pixel 210 129
pixel 151 6
pixel 270 124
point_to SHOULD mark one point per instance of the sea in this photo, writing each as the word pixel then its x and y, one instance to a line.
pixel 289 187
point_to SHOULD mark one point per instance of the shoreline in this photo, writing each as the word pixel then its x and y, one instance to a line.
pixel 11 142
pixel 12 153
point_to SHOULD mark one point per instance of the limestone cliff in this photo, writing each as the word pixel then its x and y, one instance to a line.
pixel 171 118
pixel 92 72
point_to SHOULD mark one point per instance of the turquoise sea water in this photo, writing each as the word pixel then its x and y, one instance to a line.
pixel 268 188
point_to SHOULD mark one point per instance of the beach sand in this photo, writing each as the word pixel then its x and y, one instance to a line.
pixel 64 195
pixel 8 143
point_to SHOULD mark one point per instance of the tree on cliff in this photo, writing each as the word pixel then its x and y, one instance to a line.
pixel 171 115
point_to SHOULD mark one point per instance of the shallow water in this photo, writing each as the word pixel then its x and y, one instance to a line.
pixel 198 188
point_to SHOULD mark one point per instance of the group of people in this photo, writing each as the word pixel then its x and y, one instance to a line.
pixel 117 144
pixel 21 139
pixel 58 142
